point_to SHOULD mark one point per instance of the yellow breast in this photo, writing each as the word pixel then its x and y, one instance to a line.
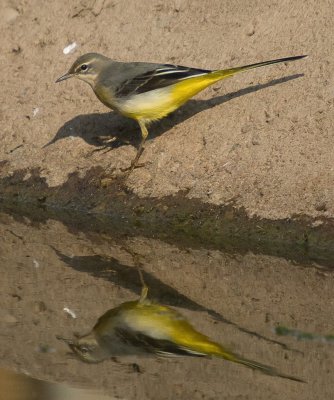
pixel 156 104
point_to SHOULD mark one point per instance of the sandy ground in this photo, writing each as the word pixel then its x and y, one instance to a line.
pixel 46 267
pixel 263 140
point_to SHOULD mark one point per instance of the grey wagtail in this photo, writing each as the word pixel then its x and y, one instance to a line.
pixel 147 92
pixel 143 327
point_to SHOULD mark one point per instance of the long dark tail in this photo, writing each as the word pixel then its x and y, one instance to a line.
pixel 215 349
pixel 224 73
pixel 265 369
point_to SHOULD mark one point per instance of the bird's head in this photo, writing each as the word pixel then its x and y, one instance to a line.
pixel 86 348
pixel 87 68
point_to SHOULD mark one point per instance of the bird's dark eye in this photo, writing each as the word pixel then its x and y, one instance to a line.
pixel 84 67
pixel 84 350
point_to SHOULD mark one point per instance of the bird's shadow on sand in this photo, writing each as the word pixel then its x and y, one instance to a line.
pixel 110 130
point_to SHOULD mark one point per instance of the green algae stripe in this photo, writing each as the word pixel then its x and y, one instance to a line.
pixel 300 335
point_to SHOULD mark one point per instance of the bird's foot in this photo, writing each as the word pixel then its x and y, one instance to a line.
pixel 132 367
pixel 107 181
pixel 129 169
pixel 107 145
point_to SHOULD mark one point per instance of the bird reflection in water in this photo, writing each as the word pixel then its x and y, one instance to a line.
pixel 144 327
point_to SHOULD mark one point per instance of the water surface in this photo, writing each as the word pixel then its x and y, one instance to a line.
pixel 57 279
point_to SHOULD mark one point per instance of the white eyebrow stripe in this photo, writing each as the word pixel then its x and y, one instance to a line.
pixel 89 62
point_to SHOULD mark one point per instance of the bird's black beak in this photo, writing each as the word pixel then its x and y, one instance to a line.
pixel 67 341
pixel 64 77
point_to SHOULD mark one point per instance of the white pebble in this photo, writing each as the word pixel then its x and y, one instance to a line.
pixel 69 312
pixel 70 48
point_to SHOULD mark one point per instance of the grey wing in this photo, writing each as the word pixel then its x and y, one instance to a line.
pixel 159 347
pixel 156 78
